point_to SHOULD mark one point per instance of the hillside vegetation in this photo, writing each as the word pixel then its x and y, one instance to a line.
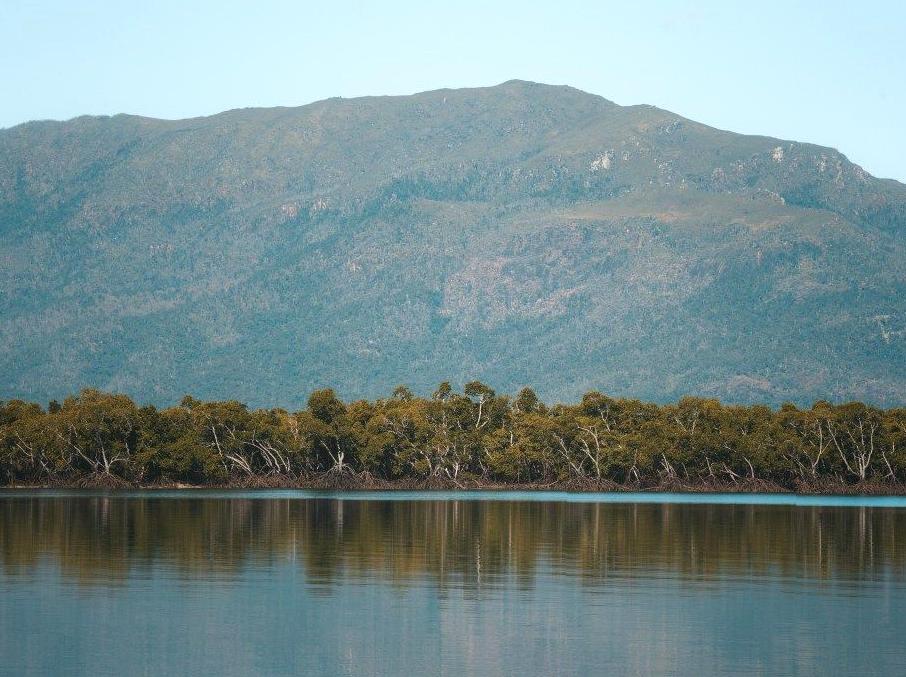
pixel 522 234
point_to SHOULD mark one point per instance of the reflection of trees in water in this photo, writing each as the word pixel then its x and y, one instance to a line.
pixel 448 542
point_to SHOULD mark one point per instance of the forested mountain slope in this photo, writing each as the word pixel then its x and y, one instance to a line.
pixel 517 234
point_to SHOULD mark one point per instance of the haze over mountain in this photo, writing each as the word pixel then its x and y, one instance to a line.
pixel 520 234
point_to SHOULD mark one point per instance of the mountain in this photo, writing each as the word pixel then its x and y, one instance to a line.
pixel 519 234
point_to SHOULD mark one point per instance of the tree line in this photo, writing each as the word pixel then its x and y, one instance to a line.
pixel 471 438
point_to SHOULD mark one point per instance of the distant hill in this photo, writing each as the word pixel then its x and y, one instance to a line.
pixel 519 234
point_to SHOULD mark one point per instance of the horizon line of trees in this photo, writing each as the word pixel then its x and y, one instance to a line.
pixel 476 436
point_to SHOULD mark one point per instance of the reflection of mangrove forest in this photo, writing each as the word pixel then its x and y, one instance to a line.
pixel 473 438
pixel 469 543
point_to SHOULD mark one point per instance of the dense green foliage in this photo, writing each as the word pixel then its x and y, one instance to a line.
pixel 517 234
pixel 470 438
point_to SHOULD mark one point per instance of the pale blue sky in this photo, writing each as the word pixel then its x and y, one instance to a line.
pixel 828 72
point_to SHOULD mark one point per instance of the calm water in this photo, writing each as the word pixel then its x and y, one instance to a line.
pixel 231 583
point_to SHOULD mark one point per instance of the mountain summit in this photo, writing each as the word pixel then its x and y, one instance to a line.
pixel 520 234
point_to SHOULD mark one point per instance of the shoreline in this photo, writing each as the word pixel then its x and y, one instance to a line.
pixel 353 484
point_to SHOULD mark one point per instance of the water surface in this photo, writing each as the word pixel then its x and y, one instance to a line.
pixel 282 582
